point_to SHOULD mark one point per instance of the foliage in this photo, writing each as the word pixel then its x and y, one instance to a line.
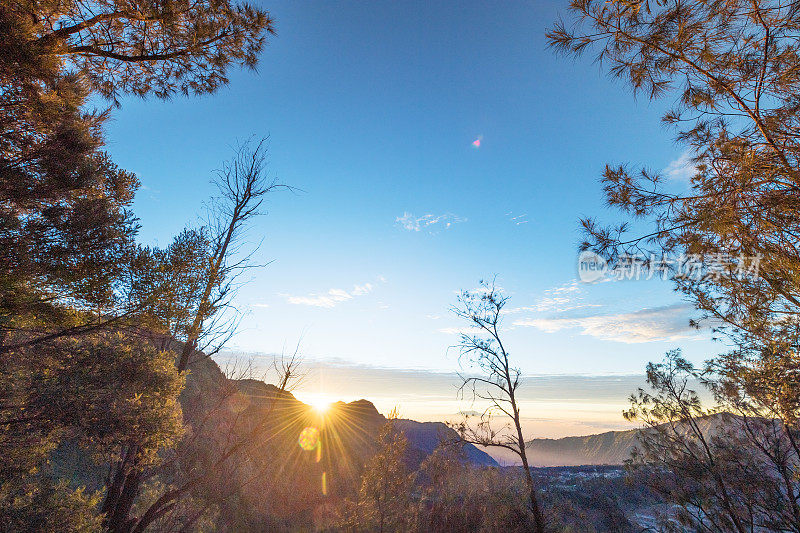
pixel 735 470
pixel 141 47
pixel 183 294
pixel 384 497
pixel 734 69
pixel 48 508
pixel 166 283
pixel 104 393
pixel 461 497
pixel 66 225
pixel 79 310
pixel 64 219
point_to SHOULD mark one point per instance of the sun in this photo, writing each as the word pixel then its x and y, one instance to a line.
pixel 320 405
pixel 319 402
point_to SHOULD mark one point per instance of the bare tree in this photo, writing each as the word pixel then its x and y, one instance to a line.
pixel 243 185
pixel 496 383
pixel 200 313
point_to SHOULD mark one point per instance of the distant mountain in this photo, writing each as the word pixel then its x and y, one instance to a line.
pixel 609 448
pixel 426 436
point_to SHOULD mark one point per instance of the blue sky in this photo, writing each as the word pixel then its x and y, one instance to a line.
pixel 372 109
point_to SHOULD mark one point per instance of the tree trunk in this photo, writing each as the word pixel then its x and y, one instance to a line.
pixel 538 517
pixel 121 497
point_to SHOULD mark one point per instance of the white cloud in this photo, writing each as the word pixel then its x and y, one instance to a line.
pixel 425 222
pixel 667 323
pixel 339 294
pixel 360 290
pixel 330 298
pixel 559 299
pixel 259 305
pixel 545 305
pixel 567 288
pixel 683 168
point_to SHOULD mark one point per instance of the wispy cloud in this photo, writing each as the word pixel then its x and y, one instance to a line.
pixel 567 297
pixel 666 323
pixel 570 287
pixel 360 290
pixel 518 220
pixel 331 298
pixel 683 168
pixel 428 222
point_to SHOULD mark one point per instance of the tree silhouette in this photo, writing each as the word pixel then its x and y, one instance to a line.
pixel 496 383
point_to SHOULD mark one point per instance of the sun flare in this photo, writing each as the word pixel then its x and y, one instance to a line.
pixel 320 405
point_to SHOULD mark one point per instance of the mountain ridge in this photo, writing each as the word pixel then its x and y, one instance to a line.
pixel 423 437
pixel 607 448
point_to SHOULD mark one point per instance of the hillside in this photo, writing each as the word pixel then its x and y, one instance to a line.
pixel 293 482
pixel 609 448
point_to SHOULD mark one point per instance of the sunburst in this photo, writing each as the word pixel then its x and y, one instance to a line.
pixel 320 405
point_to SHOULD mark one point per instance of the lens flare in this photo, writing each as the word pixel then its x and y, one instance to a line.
pixel 309 438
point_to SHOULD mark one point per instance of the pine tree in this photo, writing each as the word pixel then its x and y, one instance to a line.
pixel 70 276
pixel 139 47
pixel 732 68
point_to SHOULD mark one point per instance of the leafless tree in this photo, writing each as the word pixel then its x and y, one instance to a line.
pixel 243 185
pixel 202 317
pixel 496 382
